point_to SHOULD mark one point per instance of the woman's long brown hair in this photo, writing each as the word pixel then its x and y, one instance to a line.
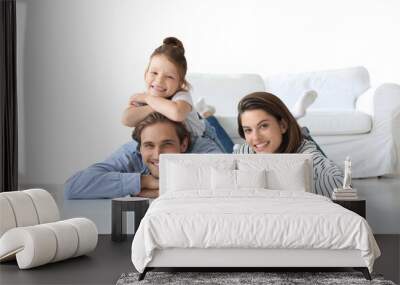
pixel 274 106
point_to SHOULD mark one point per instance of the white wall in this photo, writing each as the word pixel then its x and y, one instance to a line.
pixel 79 60
pixel 75 74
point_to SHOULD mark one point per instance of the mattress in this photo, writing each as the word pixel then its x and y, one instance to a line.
pixel 250 219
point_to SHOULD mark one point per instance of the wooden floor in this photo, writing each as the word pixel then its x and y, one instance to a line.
pixel 102 266
pixel 110 260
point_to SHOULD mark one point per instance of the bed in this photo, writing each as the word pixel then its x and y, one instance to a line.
pixel 247 211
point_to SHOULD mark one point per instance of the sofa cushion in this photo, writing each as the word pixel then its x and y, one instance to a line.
pixel 337 89
pixel 230 125
pixel 329 123
pixel 224 91
pixel 320 123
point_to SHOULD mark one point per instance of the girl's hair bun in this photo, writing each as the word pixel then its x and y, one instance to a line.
pixel 172 41
pixel 172 48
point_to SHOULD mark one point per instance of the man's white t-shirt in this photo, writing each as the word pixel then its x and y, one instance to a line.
pixel 194 124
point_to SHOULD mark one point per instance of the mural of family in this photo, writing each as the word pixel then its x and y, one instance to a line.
pixel 166 120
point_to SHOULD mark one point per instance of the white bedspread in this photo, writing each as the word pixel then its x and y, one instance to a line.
pixel 251 219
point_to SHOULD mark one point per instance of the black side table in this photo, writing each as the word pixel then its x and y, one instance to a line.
pixel 119 207
pixel 357 206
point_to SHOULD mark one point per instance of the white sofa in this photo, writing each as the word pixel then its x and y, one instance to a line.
pixel 349 116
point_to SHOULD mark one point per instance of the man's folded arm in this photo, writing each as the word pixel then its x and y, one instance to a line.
pixel 117 176
pixel 149 193
pixel 96 182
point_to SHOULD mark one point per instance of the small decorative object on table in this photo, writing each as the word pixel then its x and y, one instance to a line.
pixel 119 207
pixel 347 196
pixel 346 192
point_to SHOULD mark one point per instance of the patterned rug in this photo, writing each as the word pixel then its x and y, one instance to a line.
pixel 270 278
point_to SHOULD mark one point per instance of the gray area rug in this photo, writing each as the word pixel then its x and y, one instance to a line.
pixel 228 278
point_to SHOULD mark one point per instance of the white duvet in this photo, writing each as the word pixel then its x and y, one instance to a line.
pixel 250 219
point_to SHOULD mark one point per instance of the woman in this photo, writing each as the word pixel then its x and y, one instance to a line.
pixel 268 127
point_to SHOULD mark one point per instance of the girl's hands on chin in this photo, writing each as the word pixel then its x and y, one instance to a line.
pixel 138 99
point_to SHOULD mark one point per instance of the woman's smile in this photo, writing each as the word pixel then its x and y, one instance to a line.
pixel 261 146
pixel 262 131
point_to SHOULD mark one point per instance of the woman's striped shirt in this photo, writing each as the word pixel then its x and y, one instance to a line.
pixel 327 175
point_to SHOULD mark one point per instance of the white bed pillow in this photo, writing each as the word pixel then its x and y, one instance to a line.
pixel 281 174
pixel 182 177
pixel 223 179
pixel 251 178
pixel 231 180
pixel 186 175
pixel 193 172
pixel 293 180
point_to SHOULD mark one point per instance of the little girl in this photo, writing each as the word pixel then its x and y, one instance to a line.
pixel 167 92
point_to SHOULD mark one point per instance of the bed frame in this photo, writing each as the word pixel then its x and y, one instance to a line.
pixel 242 259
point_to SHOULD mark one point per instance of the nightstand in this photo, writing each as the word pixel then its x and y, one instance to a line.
pixel 357 206
pixel 119 207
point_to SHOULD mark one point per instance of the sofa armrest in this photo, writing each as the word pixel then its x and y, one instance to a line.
pixel 382 103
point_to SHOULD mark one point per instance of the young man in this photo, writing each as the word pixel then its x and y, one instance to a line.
pixel 132 169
